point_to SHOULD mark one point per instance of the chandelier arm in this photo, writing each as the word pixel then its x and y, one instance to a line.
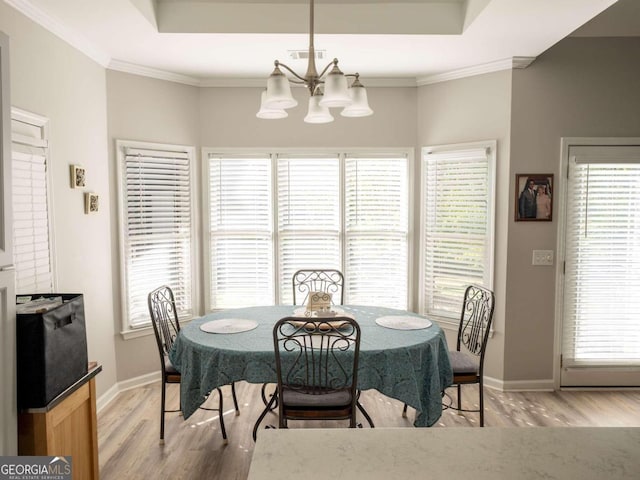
pixel 324 70
pixel 304 80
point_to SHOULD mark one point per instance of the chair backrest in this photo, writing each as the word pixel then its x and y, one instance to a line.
pixel 475 319
pixel 317 280
pixel 317 356
pixel 164 317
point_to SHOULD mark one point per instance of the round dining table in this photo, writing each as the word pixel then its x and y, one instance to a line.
pixel 408 362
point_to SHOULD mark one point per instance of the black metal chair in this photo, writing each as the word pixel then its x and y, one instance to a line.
pixel 309 280
pixel 318 280
pixel 164 318
pixel 467 360
pixel 317 369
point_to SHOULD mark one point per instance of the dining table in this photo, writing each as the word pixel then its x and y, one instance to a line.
pixel 403 355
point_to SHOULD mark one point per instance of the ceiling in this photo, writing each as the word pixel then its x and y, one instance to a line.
pixel 399 42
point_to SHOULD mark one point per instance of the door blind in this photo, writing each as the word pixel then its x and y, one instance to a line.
pixel 601 321
pixel 457 221
pixel 308 217
pixel 376 231
pixel 157 229
pixel 240 240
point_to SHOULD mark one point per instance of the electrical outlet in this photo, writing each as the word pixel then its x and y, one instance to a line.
pixel 542 257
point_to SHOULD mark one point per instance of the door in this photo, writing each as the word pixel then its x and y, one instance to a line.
pixel 601 291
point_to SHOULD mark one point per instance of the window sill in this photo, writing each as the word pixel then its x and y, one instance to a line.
pixel 145 331
pixel 137 333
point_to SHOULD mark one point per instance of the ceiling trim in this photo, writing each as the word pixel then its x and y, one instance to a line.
pixel 505 64
pixel 83 45
pixel 136 69
pixel 262 82
pixel 54 26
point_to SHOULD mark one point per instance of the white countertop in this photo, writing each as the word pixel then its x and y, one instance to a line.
pixel 581 453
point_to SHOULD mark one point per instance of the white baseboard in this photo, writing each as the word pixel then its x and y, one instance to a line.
pixel 119 387
pixel 519 385
pixel 508 386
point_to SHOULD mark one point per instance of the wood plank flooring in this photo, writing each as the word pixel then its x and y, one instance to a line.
pixel 128 428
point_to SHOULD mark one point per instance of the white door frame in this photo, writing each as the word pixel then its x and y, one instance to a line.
pixel 8 400
pixel 561 199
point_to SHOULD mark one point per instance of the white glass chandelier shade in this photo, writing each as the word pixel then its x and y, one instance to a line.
pixel 269 113
pixel 359 104
pixel 335 90
pixel 278 92
pixel 328 88
pixel 317 113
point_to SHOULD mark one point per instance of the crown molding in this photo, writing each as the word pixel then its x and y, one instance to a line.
pixel 262 82
pixel 506 64
pixel 81 43
pixel 54 26
pixel 135 69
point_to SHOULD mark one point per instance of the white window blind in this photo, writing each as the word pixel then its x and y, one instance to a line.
pixel 601 322
pixel 157 228
pixel 240 232
pixel 457 234
pixel 31 225
pixel 309 222
pixel 376 231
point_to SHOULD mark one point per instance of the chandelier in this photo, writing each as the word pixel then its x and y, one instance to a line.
pixel 327 90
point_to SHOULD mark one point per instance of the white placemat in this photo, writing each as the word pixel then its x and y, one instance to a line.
pixel 228 325
pixel 403 322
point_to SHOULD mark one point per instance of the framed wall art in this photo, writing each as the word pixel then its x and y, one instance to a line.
pixel 534 197
pixel 77 176
pixel 90 202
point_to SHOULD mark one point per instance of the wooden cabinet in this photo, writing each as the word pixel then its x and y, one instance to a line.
pixel 66 426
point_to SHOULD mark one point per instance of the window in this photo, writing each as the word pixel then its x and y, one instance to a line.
pixel 240 241
pixel 326 211
pixel 32 238
pixel 457 224
pixel 157 226
pixel 377 230
pixel 308 217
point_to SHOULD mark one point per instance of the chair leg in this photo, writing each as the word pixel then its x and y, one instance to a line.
pixel 266 410
pixel 263 394
pixel 162 403
pixel 404 411
pixel 481 392
pixel 235 399
pixel 459 397
pixel 221 415
pixel 365 413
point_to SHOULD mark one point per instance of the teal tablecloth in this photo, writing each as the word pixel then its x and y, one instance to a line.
pixel 409 365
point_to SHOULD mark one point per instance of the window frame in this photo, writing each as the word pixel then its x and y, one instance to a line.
pixel 342 153
pixel 129 331
pixel 43 124
pixel 491 148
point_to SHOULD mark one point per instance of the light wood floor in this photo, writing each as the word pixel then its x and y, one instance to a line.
pixel 128 428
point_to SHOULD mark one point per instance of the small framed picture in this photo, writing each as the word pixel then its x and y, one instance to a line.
pixel 77 176
pixel 90 202
pixel 534 197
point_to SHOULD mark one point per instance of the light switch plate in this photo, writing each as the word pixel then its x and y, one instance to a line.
pixel 542 257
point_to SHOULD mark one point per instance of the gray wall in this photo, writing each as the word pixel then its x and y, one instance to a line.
pixel 466 110
pixel 227 119
pixel 582 87
pixel 151 110
pixel 143 109
pixel 52 79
